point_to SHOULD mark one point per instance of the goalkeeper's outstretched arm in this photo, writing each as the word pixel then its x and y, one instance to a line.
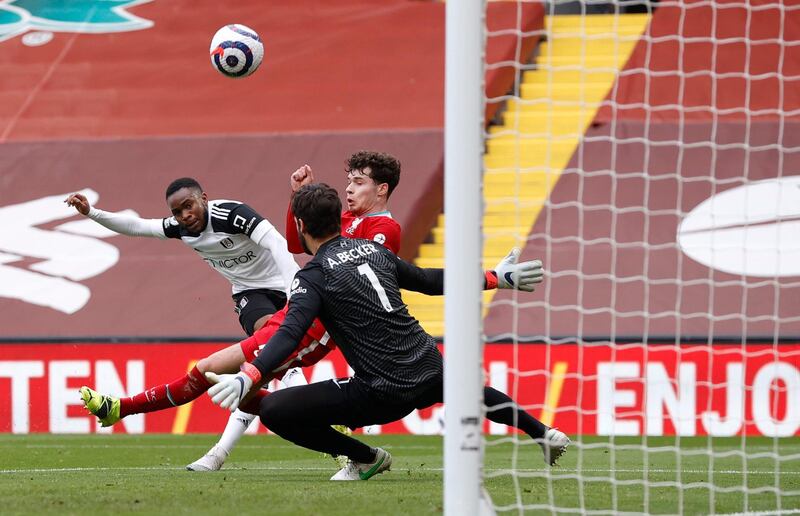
pixel 508 274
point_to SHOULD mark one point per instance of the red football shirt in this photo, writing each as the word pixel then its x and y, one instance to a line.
pixel 380 227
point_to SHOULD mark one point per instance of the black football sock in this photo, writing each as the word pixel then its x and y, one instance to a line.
pixel 502 409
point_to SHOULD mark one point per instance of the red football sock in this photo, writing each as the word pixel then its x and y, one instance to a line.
pixel 183 390
pixel 253 404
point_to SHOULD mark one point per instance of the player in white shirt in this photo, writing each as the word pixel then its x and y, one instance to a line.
pixel 229 236
pixel 235 241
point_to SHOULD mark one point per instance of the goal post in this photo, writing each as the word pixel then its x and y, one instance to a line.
pixel 463 395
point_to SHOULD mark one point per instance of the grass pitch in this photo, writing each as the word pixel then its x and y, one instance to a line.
pixel 103 474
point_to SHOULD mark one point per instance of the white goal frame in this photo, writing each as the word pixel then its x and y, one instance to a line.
pixel 463 165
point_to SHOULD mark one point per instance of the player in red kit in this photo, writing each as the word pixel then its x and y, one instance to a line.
pixel 371 179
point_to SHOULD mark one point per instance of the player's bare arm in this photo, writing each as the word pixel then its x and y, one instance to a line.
pixel 79 202
pixel 301 177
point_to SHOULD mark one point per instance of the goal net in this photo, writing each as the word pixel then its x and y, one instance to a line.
pixel 649 154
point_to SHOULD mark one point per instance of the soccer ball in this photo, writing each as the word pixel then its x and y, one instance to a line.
pixel 236 51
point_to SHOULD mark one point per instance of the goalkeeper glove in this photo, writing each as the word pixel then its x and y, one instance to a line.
pixel 229 389
pixel 519 276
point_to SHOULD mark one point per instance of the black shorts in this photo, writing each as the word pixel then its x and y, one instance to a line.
pixel 345 401
pixel 252 305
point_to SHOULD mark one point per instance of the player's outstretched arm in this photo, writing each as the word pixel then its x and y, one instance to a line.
pixel 425 281
pixel 117 222
pixel 509 274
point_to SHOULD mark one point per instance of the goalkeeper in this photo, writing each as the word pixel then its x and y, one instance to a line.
pixel 353 286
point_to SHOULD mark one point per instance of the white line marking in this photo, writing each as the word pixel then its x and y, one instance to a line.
pixel 188 446
pixel 181 468
pixel 496 471
pixel 151 468
pixel 146 446
pixel 675 471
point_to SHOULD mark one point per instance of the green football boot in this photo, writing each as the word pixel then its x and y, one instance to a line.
pixel 106 408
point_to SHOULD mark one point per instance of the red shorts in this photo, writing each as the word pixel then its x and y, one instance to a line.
pixel 314 345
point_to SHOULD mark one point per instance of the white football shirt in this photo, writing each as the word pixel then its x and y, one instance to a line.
pixel 229 245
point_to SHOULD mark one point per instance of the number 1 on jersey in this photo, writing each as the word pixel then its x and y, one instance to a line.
pixel 365 270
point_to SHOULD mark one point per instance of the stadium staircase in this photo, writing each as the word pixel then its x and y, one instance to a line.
pixel 540 131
